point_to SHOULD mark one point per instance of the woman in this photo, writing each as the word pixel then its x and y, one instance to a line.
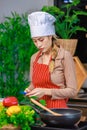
pixel 52 70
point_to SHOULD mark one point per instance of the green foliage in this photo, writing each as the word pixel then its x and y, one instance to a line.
pixel 25 119
pixel 43 102
pixel 27 101
pixel 67 19
pixel 16 48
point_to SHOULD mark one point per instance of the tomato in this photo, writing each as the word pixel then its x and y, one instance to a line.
pixel 10 101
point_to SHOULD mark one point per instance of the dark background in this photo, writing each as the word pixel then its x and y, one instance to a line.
pixel 81 50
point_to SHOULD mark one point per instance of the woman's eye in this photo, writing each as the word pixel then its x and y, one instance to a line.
pixel 34 40
pixel 41 40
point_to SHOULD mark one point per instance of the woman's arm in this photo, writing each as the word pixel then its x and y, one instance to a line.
pixel 70 89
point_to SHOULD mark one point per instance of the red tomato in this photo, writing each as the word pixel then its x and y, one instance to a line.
pixel 10 101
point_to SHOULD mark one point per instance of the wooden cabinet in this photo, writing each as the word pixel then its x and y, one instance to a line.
pixel 81 73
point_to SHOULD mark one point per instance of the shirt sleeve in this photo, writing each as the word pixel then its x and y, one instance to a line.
pixel 70 89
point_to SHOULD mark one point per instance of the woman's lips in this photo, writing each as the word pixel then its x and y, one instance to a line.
pixel 41 49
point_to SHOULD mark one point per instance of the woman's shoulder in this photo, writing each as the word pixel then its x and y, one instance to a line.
pixel 34 55
pixel 64 53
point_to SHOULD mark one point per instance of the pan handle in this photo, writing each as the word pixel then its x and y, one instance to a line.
pixel 30 104
pixel 36 109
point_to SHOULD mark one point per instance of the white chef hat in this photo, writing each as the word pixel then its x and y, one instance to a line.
pixel 41 24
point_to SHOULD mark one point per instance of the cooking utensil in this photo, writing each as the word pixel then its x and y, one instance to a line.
pixel 45 108
pixel 69 117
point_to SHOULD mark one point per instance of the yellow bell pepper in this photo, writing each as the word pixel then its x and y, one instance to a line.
pixel 13 110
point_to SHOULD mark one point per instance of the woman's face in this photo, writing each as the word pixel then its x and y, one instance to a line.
pixel 43 43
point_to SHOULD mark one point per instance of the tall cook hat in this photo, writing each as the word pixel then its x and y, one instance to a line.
pixel 41 24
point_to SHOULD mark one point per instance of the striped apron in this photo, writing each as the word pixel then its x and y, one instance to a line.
pixel 41 79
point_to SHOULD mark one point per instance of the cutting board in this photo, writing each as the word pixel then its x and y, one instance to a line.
pixel 81 73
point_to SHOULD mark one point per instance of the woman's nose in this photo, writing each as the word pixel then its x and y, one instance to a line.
pixel 39 44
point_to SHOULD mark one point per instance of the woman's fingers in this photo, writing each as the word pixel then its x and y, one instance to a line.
pixel 33 92
pixel 36 92
pixel 27 90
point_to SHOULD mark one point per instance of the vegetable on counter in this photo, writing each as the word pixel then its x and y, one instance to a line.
pixel 13 110
pixel 10 101
pixel 18 116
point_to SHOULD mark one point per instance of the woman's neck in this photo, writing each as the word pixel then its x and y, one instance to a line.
pixel 48 52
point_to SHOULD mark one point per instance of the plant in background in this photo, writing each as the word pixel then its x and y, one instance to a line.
pixel 16 48
pixel 67 19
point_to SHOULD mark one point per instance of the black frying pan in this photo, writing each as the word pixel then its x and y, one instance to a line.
pixel 65 117
pixel 69 118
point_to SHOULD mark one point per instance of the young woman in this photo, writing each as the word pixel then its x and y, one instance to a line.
pixel 52 70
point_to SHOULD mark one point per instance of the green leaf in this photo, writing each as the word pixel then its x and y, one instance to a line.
pixel 43 102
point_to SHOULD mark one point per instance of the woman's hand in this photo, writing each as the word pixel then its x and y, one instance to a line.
pixel 27 90
pixel 39 92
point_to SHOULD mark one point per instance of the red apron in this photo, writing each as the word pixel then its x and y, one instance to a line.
pixel 41 79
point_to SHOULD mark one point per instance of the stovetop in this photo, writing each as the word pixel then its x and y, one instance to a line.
pixel 81 126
